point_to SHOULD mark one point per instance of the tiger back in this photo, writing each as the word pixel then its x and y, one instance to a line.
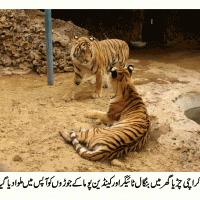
pixel 95 56
pixel 127 118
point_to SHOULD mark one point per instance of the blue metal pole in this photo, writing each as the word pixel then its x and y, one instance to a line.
pixel 49 48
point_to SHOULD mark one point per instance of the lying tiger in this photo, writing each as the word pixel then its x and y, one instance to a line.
pixel 127 117
pixel 95 56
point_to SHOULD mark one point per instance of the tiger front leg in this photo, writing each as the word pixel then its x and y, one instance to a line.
pixel 105 83
pixel 103 116
pixel 99 80
pixel 76 82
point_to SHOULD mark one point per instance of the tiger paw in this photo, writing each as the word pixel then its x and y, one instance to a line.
pixel 105 85
pixel 68 97
pixel 96 95
pixel 89 114
pixel 66 136
pixel 82 129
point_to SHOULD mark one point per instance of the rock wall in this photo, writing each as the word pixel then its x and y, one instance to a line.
pixel 23 43
pixel 122 24
pixel 177 30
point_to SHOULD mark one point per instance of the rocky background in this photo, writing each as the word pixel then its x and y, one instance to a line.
pixel 23 42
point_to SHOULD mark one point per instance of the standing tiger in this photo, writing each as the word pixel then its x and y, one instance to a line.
pixel 127 116
pixel 95 56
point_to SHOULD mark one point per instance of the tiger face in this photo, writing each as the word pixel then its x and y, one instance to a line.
pixel 83 49
pixel 119 75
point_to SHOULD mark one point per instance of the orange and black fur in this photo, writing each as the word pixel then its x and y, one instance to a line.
pixel 96 57
pixel 127 117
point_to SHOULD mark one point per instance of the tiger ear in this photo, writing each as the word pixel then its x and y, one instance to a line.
pixel 113 70
pixel 91 38
pixel 130 69
pixel 76 37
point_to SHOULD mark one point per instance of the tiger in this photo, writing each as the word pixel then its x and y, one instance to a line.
pixel 127 121
pixel 89 54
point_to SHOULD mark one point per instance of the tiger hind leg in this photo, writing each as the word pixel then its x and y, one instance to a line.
pixel 66 135
pixel 93 155
pixel 81 138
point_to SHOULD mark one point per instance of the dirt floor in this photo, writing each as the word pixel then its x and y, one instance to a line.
pixel 32 114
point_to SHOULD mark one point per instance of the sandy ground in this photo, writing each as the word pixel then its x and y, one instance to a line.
pixel 32 114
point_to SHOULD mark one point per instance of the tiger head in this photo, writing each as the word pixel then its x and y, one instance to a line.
pixel 120 77
pixel 82 49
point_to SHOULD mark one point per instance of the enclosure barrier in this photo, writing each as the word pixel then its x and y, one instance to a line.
pixel 49 47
